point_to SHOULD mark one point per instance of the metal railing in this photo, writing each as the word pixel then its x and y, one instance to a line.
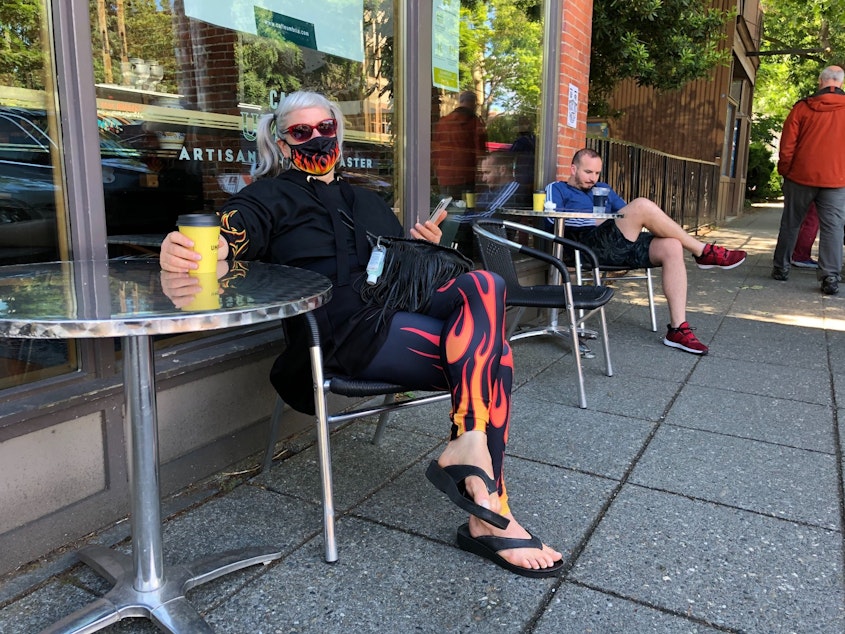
pixel 686 189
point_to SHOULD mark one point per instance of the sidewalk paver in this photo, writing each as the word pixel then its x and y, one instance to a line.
pixel 695 494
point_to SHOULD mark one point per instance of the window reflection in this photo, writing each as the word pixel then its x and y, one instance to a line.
pixel 487 64
pixel 182 85
pixel 31 207
pixel 29 188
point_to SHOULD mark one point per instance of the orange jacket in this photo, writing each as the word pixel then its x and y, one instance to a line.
pixel 459 141
pixel 813 138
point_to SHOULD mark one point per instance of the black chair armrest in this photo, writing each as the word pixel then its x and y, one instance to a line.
pixel 545 235
pixel 521 248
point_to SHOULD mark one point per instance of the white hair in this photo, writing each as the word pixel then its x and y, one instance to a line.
pixel 269 154
pixel 832 74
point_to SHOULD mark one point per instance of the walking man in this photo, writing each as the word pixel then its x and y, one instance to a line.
pixel 812 164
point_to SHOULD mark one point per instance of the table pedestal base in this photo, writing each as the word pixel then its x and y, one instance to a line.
pixel 166 606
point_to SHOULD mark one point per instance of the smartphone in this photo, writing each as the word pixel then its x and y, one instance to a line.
pixel 441 207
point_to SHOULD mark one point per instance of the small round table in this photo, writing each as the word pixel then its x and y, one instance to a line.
pixel 125 298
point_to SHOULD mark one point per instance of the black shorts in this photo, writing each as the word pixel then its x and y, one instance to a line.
pixel 611 247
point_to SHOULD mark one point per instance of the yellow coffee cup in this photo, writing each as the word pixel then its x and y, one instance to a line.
pixel 208 298
pixel 539 200
pixel 469 199
pixel 204 230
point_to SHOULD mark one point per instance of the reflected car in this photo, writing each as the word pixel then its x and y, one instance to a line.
pixel 138 199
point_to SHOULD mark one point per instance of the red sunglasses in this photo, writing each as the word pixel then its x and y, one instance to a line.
pixel 303 131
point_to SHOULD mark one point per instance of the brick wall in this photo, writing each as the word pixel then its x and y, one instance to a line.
pixel 209 78
pixel 576 34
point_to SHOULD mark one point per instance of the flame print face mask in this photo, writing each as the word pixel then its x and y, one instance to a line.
pixel 316 156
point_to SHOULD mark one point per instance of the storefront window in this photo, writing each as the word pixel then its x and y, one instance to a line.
pixel 730 147
pixel 180 86
pixel 486 77
pixel 32 211
pixel 30 187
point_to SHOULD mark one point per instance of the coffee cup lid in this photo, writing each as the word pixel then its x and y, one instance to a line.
pixel 198 220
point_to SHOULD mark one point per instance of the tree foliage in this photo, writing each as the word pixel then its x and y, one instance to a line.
pixel 21 51
pixel 761 167
pixel 266 64
pixel 501 51
pixel 798 25
pixel 149 36
pixel 663 44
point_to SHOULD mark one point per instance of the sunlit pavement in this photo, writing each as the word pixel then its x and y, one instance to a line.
pixel 695 494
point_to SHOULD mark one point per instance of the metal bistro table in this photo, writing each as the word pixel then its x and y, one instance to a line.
pixel 124 298
pixel 559 216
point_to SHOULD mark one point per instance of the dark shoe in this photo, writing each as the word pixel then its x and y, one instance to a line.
pixel 779 274
pixel 715 256
pixel 488 547
pixel 830 285
pixel 450 480
pixel 683 339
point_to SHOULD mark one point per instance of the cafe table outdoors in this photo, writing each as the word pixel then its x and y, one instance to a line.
pixel 125 299
pixel 558 217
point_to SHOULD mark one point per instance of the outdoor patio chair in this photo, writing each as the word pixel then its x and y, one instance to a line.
pixel 619 274
pixel 497 252
pixel 324 386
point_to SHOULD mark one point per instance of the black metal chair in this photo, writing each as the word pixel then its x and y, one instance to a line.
pixel 497 252
pixel 609 272
pixel 342 386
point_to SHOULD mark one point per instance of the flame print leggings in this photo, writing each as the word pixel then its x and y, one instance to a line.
pixel 458 343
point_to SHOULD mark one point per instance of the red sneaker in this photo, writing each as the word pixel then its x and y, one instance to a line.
pixel 716 256
pixel 682 338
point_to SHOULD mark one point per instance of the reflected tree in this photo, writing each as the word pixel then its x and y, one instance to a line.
pixel 501 54
pixel 267 64
pixel 280 65
pixel 128 29
pixel 21 52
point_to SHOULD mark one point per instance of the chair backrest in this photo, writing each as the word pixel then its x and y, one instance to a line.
pixel 497 257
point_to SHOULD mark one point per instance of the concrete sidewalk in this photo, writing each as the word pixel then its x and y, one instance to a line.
pixel 695 494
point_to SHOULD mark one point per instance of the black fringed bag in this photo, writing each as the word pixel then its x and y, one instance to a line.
pixel 413 271
pixel 410 274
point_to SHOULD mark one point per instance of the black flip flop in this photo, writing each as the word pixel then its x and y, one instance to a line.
pixel 450 480
pixel 488 547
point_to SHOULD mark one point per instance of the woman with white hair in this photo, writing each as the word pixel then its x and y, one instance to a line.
pixel 299 212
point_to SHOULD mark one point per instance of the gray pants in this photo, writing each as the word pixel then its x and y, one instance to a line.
pixel 830 204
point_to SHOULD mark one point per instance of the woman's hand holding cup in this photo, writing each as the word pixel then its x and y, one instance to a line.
pixel 181 253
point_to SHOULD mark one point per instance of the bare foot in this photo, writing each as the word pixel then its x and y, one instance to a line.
pixel 534 558
pixel 471 448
